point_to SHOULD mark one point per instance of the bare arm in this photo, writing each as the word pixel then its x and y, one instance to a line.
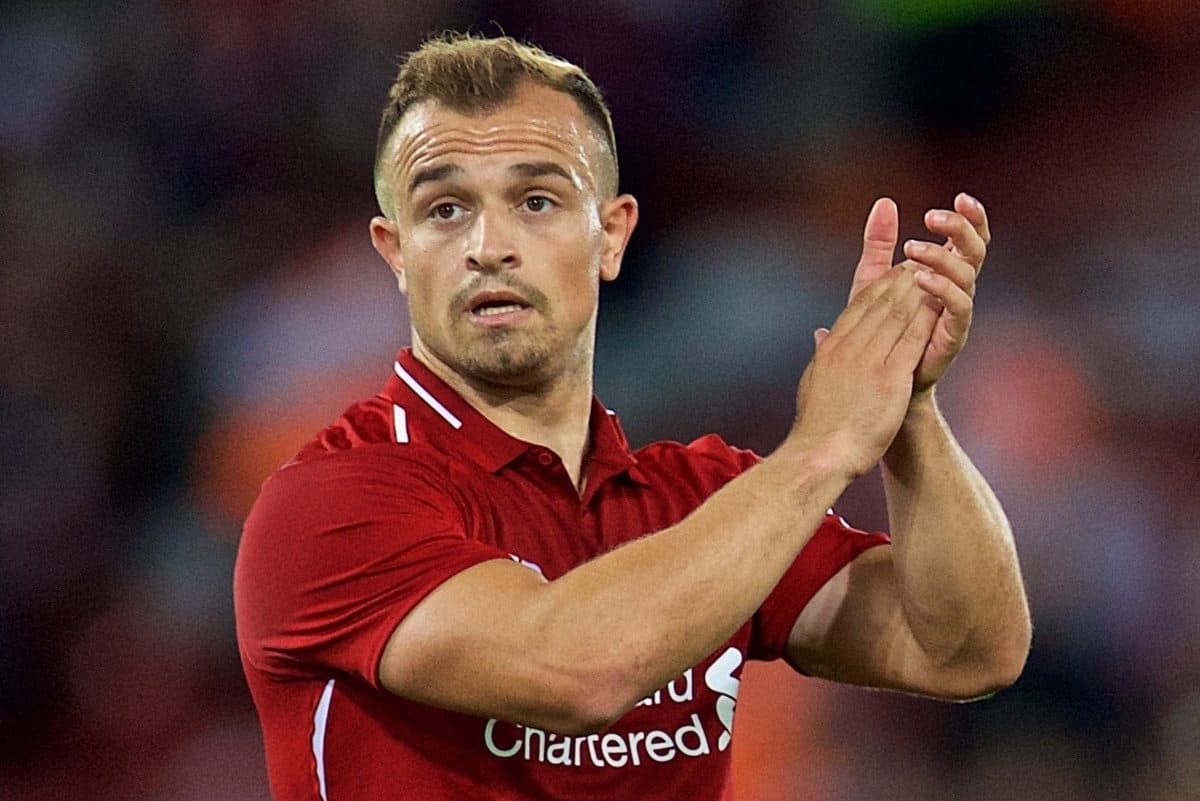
pixel 956 565
pixel 942 611
pixel 574 654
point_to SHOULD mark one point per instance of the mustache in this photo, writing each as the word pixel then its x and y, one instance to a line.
pixel 531 295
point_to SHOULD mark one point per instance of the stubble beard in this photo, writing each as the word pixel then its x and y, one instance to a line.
pixel 525 357
pixel 508 358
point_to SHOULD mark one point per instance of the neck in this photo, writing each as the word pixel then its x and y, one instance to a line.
pixel 554 414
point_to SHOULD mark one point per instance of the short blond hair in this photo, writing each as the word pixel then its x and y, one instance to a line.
pixel 473 75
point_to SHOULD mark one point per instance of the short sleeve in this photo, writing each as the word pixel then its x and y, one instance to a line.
pixel 834 545
pixel 336 551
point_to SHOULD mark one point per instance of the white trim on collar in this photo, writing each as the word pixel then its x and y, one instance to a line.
pixel 424 395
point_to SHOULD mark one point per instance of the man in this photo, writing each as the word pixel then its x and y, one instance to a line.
pixel 469 586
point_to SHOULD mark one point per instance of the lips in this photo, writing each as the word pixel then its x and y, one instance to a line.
pixel 498 309
pixel 495 303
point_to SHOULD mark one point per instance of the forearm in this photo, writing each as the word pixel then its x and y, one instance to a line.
pixel 955 561
pixel 640 615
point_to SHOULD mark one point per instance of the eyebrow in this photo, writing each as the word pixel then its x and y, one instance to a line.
pixel 433 174
pixel 537 169
pixel 526 169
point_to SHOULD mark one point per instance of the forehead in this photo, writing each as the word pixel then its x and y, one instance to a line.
pixel 537 119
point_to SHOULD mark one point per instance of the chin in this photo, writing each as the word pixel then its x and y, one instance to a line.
pixel 507 363
pixel 506 371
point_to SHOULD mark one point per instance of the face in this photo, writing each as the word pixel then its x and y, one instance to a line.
pixel 499 233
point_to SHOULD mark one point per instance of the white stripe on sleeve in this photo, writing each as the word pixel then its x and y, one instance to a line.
pixel 400 418
pixel 320 720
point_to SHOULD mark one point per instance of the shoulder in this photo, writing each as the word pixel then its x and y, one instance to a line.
pixel 368 444
pixel 359 466
pixel 328 485
pixel 709 452
pixel 709 461
pixel 334 513
pixel 368 422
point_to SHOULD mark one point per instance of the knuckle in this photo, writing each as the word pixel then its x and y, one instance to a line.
pixel 859 303
pixel 899 312
pixel 887 298
pixel 870 294
pixel 932 256
pixel 958 302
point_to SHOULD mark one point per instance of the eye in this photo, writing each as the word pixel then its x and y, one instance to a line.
pixel 538 204
pixel 446 211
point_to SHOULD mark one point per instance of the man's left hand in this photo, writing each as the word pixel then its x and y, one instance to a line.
pixel 949 273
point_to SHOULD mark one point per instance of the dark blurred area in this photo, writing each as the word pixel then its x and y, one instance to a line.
pixel 188 293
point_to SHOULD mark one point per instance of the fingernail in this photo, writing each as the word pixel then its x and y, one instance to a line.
pixel 938 216
pixel 916 246
pixel 971 201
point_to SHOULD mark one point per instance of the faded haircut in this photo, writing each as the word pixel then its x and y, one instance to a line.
pixel 474 75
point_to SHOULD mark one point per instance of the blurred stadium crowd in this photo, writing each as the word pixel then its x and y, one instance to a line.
pixel 188 292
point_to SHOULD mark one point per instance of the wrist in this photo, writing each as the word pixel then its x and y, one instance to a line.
pixel 922 406
pixel 816 462
pixel 922 420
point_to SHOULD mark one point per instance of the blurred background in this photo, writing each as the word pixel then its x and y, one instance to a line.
pixel 188 293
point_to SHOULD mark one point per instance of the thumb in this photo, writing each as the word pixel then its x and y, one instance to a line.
pixel 819 335
pixel 880 236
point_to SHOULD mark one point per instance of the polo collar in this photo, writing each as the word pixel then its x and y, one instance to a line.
pixel 457 426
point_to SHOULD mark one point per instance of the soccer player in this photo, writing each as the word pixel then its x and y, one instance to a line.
pixel 469 586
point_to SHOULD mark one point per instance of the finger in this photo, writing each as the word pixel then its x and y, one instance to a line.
pixel 970 207
pixel 850 317
pixel 960 233
pixel 889 315
pixel 957 304
pixel 907 352
pixel 943 262
pixel 819 336
pixel 880 236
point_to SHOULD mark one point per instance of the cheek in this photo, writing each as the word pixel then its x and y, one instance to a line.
pixel 425 293
pixel 577 243
pixel 573 267
pixel 578 277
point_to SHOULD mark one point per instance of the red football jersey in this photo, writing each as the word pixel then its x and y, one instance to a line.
pixel 404 491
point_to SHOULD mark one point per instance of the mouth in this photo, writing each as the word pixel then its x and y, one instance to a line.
pixel 497 308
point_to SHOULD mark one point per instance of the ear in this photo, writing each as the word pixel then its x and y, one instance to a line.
pixel 387 244
pixel 618 218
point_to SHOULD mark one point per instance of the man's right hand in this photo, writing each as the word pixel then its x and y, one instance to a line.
pixel 855 391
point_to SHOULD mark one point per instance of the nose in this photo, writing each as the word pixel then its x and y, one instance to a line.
pixel 490 243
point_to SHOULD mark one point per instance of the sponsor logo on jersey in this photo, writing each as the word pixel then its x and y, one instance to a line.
pixel 632 748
